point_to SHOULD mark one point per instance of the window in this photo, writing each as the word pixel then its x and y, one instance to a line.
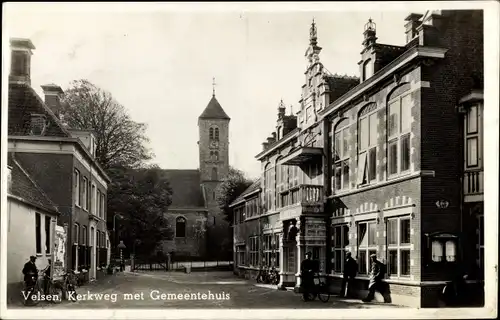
pixel 214 155
pixel 76 231
pixel 444 249
pixel 267 249
pixel 366 245
pixel 367 69
pixel 472 153
pixel 309 115
pixel 180 227
pixel 240 255
pixel 340 242
pixel 254 251
pixel 47 235
pixel 269 194
pixel 216 134
pixel 367 150
pixel 85 196
pixel 399 128
pixel 98 203
pixel 472 120
pixel 472 137
pixel 85 236
pixel 341 156
pixel 77 187
pixel 38 231
pixel 38 124
pixel 276 250
pixel 398 247
pixel 103 204
pixel 211 133
pixel 93 200
pixel 214 173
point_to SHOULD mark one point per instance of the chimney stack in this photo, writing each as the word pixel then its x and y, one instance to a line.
pixel 411 26
pixel 53 94
pixel 264 146
pixel 20 60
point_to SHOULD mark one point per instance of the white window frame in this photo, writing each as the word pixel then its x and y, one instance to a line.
pixel 399 135
pixel 254 251
pixel 341 155
pixel 364 166
pixel 93 201
pixel 77 188
pixel 365 249
pixel 398 247
pixel 98 203
pixel 85 192
pixel 473 135
pixel 339 249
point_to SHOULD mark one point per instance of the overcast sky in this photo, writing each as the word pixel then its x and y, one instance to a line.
pixel 160 65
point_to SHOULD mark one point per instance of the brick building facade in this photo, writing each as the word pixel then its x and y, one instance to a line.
pixel 388 163
pixel 61 162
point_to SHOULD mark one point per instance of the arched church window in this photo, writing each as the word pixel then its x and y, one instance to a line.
pixel 180 227
pixel 214 173
pixel 211 133
pixel 216 133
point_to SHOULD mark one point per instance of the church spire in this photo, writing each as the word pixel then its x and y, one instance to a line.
pixel 213 87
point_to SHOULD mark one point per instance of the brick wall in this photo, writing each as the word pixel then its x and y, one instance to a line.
pixel 194 243
pixel 206 164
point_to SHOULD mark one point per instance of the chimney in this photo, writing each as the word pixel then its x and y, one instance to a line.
pixel 411 26
pixel 270 140
pixel 53 94
pixel 20 60
pixel 264 146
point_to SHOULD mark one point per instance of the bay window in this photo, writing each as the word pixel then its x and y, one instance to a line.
pixel 472 137
pixel 398 246
pixel 341 156
pixel 399 128
pixel 367 146
pixel 367 245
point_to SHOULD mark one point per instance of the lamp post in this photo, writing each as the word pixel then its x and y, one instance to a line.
pixel 121 246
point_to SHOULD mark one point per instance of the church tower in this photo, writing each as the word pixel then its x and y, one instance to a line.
pixel 213 144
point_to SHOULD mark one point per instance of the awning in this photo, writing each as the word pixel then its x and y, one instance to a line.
pixel 302 155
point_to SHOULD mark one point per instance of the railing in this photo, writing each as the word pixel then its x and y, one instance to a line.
pixel 473 182
pixel 301 194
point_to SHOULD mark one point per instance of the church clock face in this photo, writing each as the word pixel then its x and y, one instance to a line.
pixel 214 144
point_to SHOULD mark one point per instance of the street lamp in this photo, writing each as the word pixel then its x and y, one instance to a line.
pixel 121 246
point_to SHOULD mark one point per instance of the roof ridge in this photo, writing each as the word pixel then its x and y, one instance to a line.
pixel 34 183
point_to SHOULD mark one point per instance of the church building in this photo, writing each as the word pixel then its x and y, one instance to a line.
pixel 200 230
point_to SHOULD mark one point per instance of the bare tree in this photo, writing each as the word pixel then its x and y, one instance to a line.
pixel 120 140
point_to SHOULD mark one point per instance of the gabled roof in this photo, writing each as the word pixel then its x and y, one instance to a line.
pixel 23 102
pixel 253 187
pixel 214 111
pixel 24 187
pixel 186 188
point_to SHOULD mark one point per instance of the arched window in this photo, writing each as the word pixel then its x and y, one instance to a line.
pixel 216 134
pixel 341 155
pixel 367 145
pixel 211 133
pixel 180 227
pixel 367 69
pixel 214 173
pixel 398 131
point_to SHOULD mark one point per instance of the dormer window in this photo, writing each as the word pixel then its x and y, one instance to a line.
pixel 38 125
pixel 367 69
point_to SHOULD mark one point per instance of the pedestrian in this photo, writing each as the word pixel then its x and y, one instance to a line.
pixel 307 274
pixel 377 273
pixel 350 270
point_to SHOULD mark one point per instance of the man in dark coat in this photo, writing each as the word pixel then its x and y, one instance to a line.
pixel 377 273
pixel 30 270
pixel 307 268
pixel 350 270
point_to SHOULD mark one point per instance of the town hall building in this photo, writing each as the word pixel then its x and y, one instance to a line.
pixel 200 229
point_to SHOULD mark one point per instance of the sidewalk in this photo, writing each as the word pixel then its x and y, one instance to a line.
pixel 214 277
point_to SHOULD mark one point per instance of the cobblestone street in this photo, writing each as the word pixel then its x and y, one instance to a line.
pixel 204 290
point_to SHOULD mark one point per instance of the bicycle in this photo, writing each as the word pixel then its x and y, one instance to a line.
pixel 319 289
pixel 33 294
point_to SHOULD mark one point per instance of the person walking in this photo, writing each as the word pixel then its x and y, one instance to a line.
pixel 350 270
pixel 377 273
